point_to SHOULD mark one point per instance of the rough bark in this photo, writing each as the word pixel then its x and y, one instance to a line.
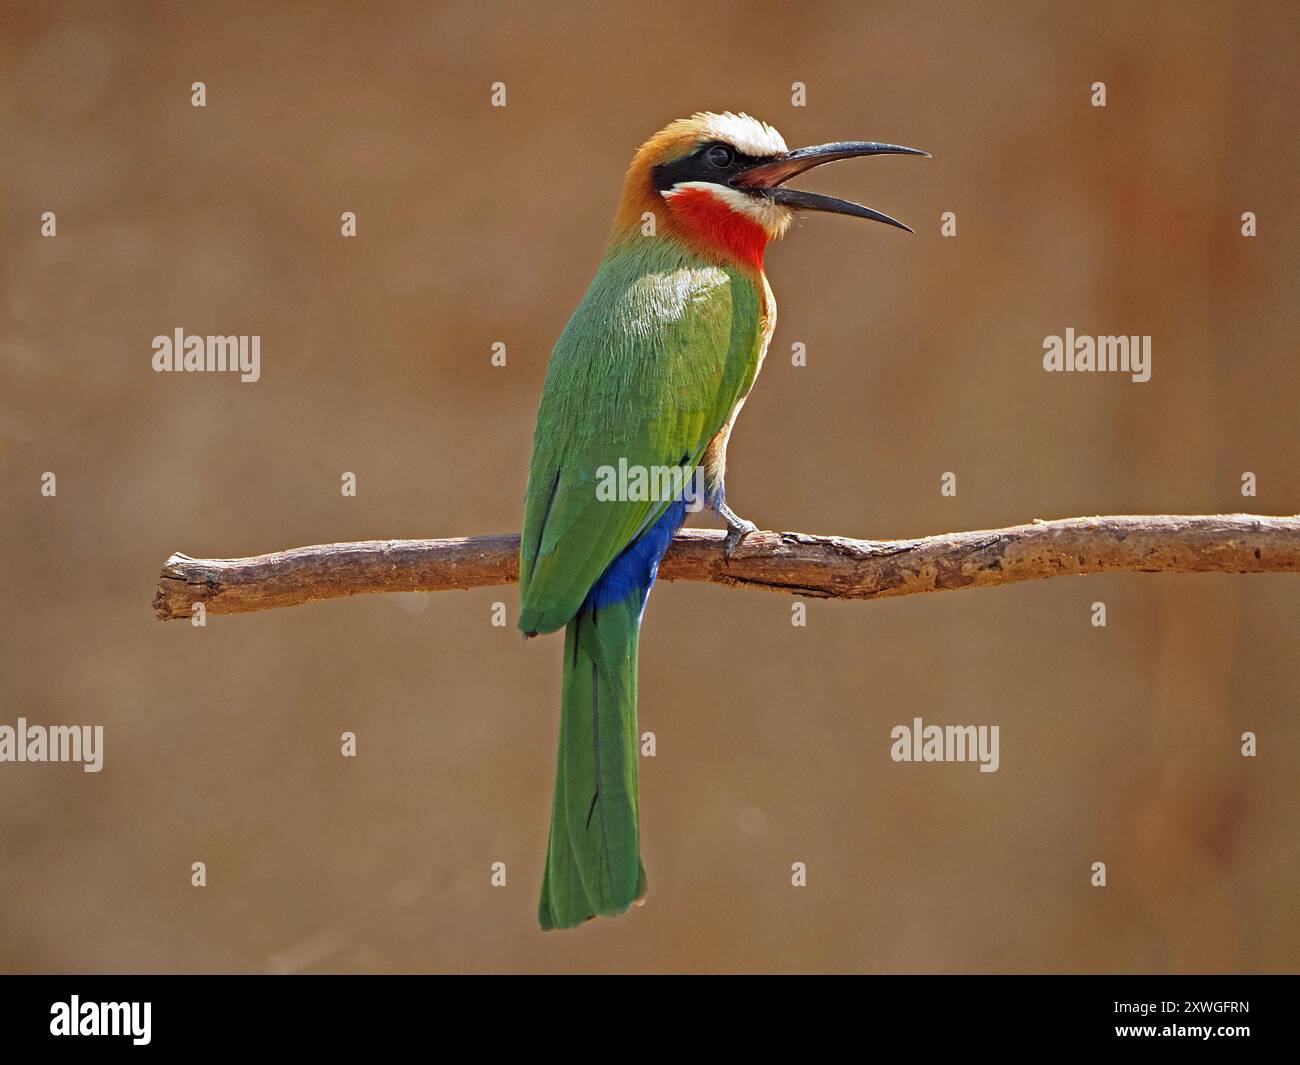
pixel 795 563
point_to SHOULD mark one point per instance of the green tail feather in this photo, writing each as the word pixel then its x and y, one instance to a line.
pixel 593 860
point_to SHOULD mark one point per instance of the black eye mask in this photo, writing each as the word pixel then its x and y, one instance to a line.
pixel 702 165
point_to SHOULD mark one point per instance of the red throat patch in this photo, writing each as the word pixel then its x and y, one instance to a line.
pixel 708 222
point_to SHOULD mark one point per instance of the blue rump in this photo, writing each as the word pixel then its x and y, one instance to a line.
pixel 634 571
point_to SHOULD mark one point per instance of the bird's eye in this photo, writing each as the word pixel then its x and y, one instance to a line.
pixel 720 156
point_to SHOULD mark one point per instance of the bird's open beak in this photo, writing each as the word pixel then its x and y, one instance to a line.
pixel 769 176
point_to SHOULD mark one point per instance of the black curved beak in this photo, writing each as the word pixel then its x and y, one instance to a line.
pixel 770 175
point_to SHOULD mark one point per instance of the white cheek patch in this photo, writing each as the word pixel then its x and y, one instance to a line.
pixel 774 218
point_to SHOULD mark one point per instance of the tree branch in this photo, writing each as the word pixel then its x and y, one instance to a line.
pixel 796 563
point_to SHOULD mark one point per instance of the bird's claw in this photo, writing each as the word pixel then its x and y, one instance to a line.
pixel 737 527
pixel 737 530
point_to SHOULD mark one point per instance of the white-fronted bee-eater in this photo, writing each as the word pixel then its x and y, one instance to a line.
pixel 649 375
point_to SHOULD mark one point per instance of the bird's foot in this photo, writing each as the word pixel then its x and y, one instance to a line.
pixel 737 529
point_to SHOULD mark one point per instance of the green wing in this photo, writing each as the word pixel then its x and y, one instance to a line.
pixel 647 371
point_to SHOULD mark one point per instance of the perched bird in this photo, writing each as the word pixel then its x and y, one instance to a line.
pixel 650 372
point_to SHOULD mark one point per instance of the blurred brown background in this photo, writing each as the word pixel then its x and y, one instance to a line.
pixel 480 225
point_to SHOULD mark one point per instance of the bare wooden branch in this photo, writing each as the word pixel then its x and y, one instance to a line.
pixel 796 563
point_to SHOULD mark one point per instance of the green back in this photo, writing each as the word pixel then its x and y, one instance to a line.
pixel 647 370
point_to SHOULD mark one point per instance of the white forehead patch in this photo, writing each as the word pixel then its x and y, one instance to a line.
pixel 746 134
